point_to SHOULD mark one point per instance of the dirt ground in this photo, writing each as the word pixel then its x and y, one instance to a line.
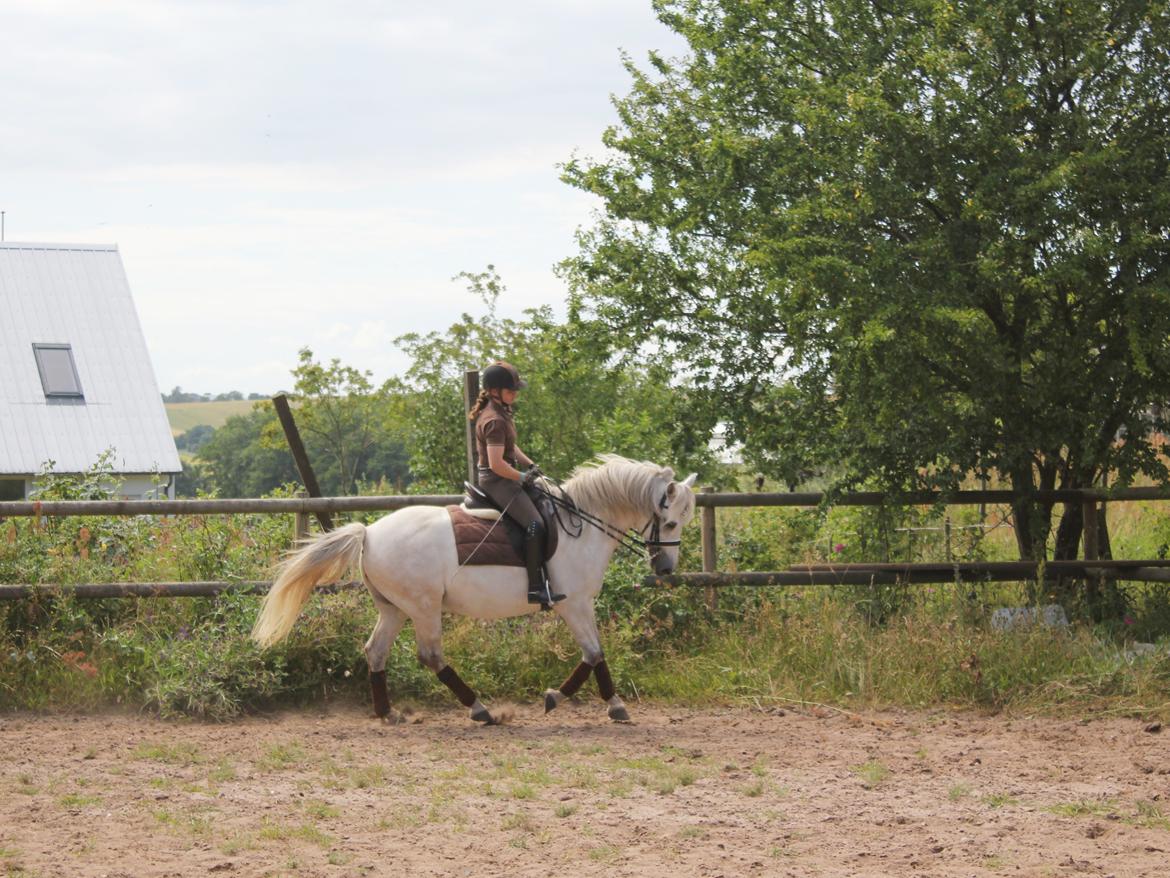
pixel 679 792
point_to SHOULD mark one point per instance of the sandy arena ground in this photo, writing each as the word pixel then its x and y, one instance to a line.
pixel 680 792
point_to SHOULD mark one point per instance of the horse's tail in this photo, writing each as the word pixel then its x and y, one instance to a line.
pixel 325 559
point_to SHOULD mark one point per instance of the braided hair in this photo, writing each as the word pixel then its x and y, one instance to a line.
pixel 481 402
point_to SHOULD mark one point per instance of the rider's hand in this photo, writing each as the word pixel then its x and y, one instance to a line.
pixel 530 476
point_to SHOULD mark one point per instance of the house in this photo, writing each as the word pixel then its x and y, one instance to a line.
pixel 75 375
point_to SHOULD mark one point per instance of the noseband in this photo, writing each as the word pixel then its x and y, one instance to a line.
pixel 655 541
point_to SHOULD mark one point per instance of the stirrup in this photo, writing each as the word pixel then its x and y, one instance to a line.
pixel 544 596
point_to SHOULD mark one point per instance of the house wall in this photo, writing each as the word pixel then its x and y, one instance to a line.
pixel 133 486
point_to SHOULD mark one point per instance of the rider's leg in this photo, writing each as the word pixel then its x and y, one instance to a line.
pixel 520 508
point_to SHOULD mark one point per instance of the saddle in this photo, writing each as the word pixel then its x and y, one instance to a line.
pixel 483 539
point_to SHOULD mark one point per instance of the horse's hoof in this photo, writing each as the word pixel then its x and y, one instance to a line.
pixel 619 714
pixel 392 718
pixel 483 715
pixel 550 700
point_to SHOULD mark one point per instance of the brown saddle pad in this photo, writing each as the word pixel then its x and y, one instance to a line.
pixel 483 542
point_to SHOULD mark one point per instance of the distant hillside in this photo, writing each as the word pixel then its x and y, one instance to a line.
pixel 185 415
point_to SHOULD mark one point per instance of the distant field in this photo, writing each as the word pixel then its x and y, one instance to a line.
pixel 185 415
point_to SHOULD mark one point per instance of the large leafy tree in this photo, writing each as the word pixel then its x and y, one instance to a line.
pixel 917 240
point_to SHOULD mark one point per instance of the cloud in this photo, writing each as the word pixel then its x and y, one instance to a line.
pixel 272 170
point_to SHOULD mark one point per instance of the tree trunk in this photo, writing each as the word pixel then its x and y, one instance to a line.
pixel 1068 533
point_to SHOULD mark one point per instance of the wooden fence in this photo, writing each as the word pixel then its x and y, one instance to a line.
pixel 708 501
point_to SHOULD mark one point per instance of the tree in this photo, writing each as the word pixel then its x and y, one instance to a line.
pixel 578 403
pixel 919 240
pixel 342 418
pixel 238 464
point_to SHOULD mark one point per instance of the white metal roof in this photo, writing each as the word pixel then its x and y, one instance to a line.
pixel 76 294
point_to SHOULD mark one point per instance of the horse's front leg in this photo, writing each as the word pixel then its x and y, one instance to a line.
pixel 428 635
pixel 582 622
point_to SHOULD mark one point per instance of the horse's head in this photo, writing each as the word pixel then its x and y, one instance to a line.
pixel 672 512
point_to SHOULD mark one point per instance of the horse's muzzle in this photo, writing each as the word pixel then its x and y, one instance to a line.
pixel 663 567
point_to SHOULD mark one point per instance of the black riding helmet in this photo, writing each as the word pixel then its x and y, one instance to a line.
pixel 502 376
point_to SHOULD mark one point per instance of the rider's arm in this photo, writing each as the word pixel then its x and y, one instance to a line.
pixel 501 467
pixel 522 458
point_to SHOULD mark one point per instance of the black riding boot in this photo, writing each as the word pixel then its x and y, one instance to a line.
pixel 539 591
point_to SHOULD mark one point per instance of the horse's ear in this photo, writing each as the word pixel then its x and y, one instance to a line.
pixel 689 481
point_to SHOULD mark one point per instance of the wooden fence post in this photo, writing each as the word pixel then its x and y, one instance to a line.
pixel 470 393
pixel 300 522
pixel 710 552
pixel 300 457
pixel 1089 514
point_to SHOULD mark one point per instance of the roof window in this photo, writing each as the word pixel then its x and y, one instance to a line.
pixel 58 371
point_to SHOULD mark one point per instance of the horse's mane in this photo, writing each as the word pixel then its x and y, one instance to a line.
pixel 612 481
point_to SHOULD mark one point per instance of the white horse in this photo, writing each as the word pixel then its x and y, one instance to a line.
pixel 408 562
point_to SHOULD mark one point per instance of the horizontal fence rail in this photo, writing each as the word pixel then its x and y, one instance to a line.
pixel 712 499
pixel 388 503
pixel 708 500
pixel 21 591
pixel 893 574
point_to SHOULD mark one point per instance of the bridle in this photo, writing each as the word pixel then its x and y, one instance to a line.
pixel 655 540
pixel 642 546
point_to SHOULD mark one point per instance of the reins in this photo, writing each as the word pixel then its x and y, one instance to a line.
pixel 638 545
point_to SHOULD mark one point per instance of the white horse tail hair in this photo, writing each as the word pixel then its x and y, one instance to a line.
pixel 323 560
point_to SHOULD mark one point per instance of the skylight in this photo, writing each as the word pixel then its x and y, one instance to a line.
pixel 58 371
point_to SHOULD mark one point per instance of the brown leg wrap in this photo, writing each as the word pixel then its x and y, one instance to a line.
pixel 378 690
pixel 573 682
pixel 450 679
pixel 604 680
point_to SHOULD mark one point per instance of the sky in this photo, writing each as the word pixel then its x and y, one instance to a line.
pixel 286 174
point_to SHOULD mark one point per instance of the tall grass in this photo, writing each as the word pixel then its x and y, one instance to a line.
pixel 851 647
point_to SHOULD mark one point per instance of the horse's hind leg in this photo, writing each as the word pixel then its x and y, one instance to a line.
pixel 583 624
pixel 390 622
pixel 428 634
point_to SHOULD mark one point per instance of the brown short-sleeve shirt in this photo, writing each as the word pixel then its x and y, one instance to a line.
pixel 495 426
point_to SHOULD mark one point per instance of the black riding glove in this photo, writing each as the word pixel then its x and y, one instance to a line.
pixel 530 476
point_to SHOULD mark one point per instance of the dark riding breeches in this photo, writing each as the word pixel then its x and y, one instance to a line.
pixel 520 508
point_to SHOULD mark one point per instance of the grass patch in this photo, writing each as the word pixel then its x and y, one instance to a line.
pixel 1150 816
pixel 605 853
pixel 304 832
pixel 223 772
pixel 519 821
pixel 872 773
pixel 958 791
pixel 181 753
pixel 999 800
pixel 1083 808
pixel 78 800
pixel 281 757
pixel 321 810
pixel 238 844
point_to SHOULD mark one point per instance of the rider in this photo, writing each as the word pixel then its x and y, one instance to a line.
pixel 499 474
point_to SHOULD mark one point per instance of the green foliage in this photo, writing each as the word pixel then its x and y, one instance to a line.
pixel 239 464
pixel 348 427
pixel 901 245
pixel 578 403
pixel 900 645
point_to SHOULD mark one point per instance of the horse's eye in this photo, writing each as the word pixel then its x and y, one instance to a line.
pixel 670 525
